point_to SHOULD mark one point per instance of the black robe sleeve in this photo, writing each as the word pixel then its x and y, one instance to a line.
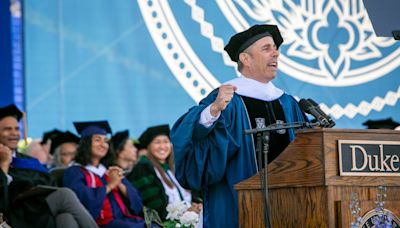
pixel 3 193
pixel 31 211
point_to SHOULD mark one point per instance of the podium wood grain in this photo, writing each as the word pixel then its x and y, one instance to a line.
pixel 305 189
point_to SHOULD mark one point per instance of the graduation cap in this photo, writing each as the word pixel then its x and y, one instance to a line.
pixel 152 132
pixel 381 124
pixel 10 110
pixel 49 135
pixel 239 42
pixel 89 128
pixel 63 137
pixel 137 144
pixel 118 138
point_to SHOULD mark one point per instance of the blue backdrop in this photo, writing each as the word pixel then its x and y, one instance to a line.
pixel 141 63
pixel 6 85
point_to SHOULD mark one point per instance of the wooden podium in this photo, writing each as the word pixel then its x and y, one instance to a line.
pixel 306 188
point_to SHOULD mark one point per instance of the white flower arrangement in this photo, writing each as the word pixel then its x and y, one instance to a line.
pixel 179 216
pixel 189 218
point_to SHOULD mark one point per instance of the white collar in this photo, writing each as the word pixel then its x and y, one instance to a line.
pixel 97 170
pixel 251 88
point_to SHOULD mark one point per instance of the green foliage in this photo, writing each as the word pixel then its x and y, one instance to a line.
pixel 151 217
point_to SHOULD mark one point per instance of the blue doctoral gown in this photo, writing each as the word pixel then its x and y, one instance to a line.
pixel 93 198
pixel 214 159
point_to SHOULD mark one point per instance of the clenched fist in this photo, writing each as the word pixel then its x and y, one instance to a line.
pixel 224 96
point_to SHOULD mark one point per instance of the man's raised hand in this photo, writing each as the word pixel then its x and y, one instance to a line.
pixel 225 95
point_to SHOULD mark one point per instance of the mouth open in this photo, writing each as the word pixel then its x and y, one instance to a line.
pixel 273 65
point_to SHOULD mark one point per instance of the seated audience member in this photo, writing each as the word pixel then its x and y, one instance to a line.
pixel 125 151
pixel 10 134
pixel 46 142
pixel 63 148
pixel 37 150
pixel 25 203
pixel 142 150
pixel 47 137
pixel 154 175
pixel 101 188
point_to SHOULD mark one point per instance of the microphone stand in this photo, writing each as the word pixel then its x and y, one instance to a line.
pixel 263 135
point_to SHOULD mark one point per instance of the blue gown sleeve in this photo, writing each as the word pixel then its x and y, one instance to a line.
pixel 91 198
pixel 28 163
pixel 201 154
pixel 134 198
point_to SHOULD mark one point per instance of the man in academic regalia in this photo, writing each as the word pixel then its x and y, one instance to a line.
pixel 212 153
pixel 23 203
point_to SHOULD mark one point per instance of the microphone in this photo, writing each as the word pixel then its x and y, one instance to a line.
pixel 316 105
pixel 309 108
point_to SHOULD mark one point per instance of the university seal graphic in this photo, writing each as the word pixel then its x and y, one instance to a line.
pixel 330 48
pixel 371 219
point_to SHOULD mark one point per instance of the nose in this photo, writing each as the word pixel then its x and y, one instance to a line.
pixel 15 132
pixel 275 53
pixel 105 144
pixel 166 145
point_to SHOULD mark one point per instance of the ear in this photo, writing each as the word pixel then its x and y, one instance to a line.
pixel 244 58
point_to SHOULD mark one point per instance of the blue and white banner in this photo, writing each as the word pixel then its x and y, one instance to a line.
pixel 145 62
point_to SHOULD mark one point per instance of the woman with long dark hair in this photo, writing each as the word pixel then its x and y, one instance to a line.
pixel 125 151
pixel 101 187
pixel 154 174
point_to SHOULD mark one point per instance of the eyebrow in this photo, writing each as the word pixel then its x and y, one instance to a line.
pixel 11 127
pixel 268 45
pixel 98 137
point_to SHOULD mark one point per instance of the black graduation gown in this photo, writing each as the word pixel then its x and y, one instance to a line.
pixel 270 112
pixel 28 210
pixel 3 193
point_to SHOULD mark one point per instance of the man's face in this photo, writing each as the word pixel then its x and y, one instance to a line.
pixel 263 59
pixel 67 152
pixel 9 132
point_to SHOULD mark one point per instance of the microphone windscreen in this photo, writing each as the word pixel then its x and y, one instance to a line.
pixel 305 105
pixel 316 105
pixel 313 102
